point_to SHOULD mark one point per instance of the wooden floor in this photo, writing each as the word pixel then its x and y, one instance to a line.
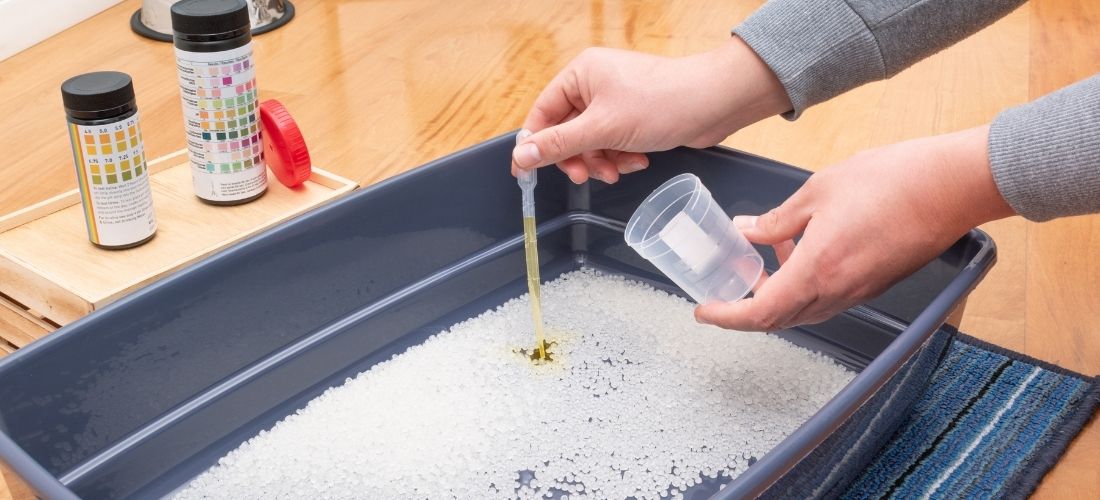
pixel 380 87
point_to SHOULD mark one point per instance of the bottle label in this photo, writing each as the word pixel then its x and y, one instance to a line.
pixel 695 247
pixel 114 182
pixel 221 116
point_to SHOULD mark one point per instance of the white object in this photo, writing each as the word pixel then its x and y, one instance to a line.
pixel 687 235
pixel 24 23
pixel 639 399
pixel 690 243
pixel 527 180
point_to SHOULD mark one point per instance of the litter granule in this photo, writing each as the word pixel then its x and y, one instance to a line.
pixel 638 401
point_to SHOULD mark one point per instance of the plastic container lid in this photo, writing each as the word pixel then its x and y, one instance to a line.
pixel 101 94
pixel 210 17
pixel 284 147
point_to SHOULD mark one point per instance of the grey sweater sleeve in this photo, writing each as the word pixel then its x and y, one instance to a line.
pixel 822 48
pixel 1045 156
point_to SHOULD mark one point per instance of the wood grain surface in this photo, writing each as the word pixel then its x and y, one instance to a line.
pixel 383 86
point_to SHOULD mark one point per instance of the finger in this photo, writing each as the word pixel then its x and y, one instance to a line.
pixel 576 171
pixel 558 142
pixel 783 250
pixel 781 223
pixel 575 168
pixel 599 167
pixel 817 312
pixel 520 136
pixel 774 305
pixel 556 102
pixel 626 162
pixel 764 276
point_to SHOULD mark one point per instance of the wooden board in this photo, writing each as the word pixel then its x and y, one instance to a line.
pixel 19 327
pixel 48 266
pixel 11 487
pixel 5 490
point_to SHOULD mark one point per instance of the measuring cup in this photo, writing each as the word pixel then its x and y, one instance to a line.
pixel 683 231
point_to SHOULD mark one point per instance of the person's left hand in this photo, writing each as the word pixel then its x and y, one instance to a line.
pixel 608 107
pixel 866 223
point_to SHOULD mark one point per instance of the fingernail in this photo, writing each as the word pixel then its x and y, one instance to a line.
pixel 522 134
pixel 745 221
pixel 526 155
pixel 595 174
pixel 631 167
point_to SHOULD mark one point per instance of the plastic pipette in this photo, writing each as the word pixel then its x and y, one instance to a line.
pixel 527 180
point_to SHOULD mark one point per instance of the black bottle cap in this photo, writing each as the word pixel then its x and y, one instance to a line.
pixel 210 19
pixel 102 94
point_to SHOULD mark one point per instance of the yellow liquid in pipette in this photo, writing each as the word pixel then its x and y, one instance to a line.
pixel 530 245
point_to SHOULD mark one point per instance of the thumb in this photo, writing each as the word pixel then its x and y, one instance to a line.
pixel 780 224
pixel 773 306
pixel 554 144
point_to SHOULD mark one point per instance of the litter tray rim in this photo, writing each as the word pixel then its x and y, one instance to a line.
pixel 819 427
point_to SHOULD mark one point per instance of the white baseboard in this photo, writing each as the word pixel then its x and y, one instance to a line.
pixel 24 23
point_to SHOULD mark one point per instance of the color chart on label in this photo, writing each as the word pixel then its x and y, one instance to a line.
pixel 113 153
pixel 114 181
pixel 232 121
pixel 221 115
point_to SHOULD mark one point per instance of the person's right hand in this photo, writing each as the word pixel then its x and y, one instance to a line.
pixel 599 115
pixel 865 224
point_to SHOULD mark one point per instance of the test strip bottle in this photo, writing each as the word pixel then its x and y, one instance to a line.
pixel 110 162
pixel 213 44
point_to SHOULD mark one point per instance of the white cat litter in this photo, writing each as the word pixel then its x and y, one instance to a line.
pixel 639 401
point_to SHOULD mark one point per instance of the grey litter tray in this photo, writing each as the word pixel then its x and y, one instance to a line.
pixel 141 396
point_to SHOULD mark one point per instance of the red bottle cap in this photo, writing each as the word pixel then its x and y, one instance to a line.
pixel 284 147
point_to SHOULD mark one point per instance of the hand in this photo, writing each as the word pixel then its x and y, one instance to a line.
pixel 607 107
pixel 866 223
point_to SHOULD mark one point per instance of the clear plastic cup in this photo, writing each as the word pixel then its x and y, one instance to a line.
pixel 683 231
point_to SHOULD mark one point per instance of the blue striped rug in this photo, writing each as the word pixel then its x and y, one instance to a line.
pixel 990 425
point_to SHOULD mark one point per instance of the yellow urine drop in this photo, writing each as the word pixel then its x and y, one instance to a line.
pixel 544 349
pixel 530 246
